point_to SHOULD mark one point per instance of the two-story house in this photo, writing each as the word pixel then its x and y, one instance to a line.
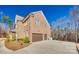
pixel 35 26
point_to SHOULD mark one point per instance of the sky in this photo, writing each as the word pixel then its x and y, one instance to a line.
pixel 51 12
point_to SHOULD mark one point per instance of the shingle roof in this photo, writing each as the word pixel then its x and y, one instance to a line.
pixel 26 18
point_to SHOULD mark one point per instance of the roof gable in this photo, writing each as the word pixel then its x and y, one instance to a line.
pixel 20 18
pixel 41 14
pixel 26 18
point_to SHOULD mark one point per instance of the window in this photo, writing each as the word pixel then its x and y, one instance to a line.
pixel 36 21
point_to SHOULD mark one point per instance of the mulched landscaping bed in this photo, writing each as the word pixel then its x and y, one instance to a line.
pixel 15 45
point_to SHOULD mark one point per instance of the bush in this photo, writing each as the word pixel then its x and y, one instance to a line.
pixel 13 38
pixel 26 40
pixel 8 38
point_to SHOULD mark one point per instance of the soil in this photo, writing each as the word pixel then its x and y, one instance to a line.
pixel 15 45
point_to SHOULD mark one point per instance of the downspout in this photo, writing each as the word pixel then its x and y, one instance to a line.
pixel 76 31
pixel 16 29
pixel 29 28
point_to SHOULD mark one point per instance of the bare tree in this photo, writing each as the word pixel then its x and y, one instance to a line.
pixel 75 15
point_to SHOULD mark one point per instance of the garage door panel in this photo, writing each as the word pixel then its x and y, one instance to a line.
pixel 45 37
pixel 37 37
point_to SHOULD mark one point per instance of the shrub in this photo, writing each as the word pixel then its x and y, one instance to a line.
pixel 8 38
pixel 26 40
pixel 13 38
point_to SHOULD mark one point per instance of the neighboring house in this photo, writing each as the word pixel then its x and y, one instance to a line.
pixel 35 26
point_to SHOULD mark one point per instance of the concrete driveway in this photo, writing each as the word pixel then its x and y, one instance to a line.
pixel 46 47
